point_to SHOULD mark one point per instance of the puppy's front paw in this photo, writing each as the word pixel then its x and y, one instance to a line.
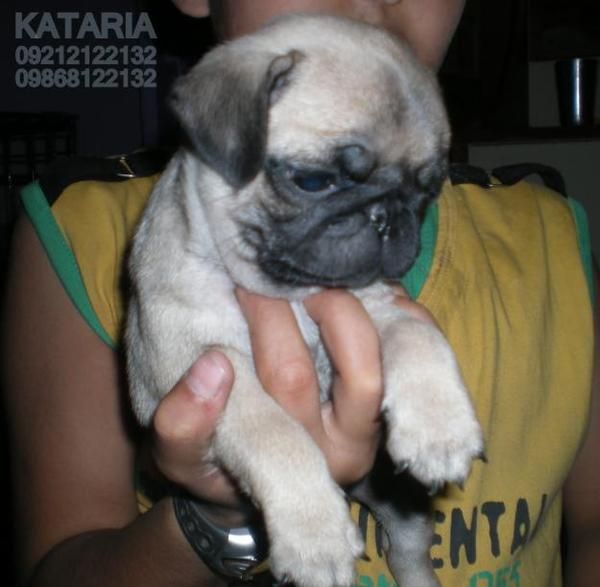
pixel 439 450
pixel 433 431
pixel 314 543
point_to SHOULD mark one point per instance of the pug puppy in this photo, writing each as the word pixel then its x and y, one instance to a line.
pixel 313 148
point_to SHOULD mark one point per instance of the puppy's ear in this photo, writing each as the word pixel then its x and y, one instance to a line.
pixel 223 106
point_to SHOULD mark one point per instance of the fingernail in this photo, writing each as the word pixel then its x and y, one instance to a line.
pixel 206 376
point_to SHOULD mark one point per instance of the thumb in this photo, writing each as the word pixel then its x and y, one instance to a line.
pixel 186 417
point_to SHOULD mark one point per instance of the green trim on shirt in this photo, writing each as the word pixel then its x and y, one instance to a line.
pixel 415 279
pixel 585 243
pixel 61 256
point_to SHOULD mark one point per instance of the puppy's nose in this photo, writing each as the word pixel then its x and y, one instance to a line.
pixel 357 162
pixel 379 218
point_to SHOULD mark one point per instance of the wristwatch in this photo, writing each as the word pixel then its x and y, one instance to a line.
pixel 232 553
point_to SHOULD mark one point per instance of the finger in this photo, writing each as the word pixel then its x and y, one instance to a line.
pixel 184 423
pixel 414 309
pixel 399 291
pixel 283 362
pixel 353 345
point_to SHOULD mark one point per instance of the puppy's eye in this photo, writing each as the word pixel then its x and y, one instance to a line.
pixel 314 181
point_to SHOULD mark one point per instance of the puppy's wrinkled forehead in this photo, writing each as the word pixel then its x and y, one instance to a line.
pixel 328 99
pixel 369 89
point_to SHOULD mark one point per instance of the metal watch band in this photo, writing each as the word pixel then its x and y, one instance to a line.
pixel 229 552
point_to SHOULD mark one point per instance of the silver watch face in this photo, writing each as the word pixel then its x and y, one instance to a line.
pixel 231 552
pixel 246 547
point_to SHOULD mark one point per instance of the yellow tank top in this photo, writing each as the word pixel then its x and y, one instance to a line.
pixel 506 273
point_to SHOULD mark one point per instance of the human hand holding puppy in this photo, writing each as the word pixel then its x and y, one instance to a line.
pixel 346 430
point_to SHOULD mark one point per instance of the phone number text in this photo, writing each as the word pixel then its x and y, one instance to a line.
pixel 87 77
pixel 86 55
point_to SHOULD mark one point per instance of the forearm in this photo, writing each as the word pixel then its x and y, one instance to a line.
pixel 149 551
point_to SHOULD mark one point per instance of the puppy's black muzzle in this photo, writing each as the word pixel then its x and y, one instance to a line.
pixel 330 228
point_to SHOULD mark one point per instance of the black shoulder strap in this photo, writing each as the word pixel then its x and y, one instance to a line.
pixel 511 174
pixel 464 173
pixel 461 173
pixel 63 172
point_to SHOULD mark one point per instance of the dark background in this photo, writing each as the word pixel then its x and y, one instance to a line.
pixel 484 77
pixel 485 81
